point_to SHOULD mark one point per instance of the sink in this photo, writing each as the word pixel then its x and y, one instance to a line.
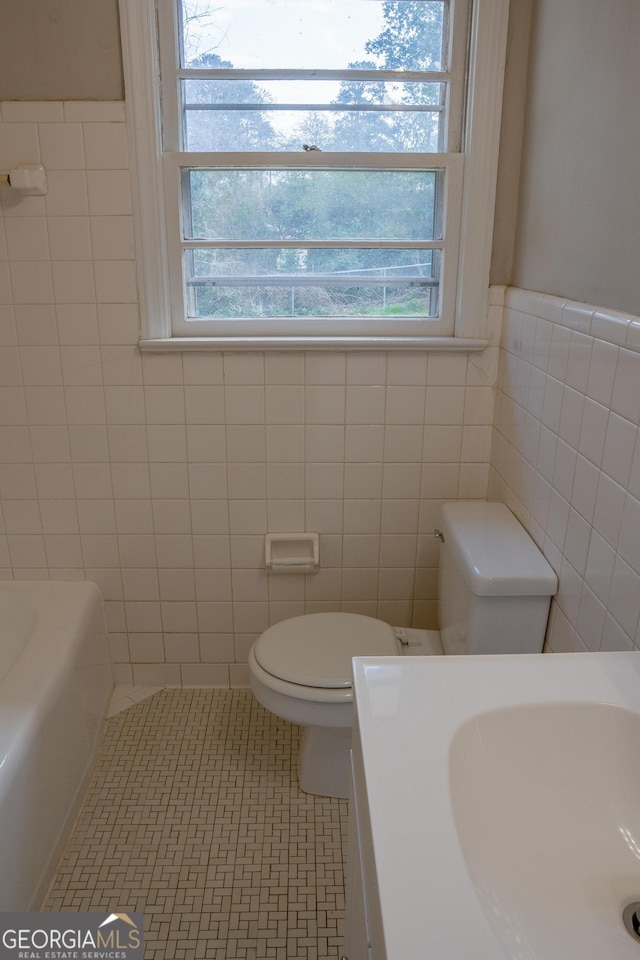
pixel 546 803
pixel 501 798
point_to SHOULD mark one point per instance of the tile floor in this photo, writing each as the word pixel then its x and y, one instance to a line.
pixel 194 817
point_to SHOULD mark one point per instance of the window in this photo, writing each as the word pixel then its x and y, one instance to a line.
pixel 313 174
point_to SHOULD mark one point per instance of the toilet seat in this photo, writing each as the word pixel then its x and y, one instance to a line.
pixel 295 691
pixel 315 650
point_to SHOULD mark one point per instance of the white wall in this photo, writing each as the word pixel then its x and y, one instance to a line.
pixel 577 233
pixel 566 459
pixel 158 475
pixel 60 50
pixel 566 453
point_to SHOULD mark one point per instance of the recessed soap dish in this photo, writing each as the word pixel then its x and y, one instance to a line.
pixel 292 552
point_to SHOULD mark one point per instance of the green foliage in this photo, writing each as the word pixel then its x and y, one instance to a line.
pixel 225 130
pixel 412 37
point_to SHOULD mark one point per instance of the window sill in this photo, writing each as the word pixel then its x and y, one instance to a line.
pixel 193 344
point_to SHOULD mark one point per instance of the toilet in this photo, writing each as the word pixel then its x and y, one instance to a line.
pixel 494 591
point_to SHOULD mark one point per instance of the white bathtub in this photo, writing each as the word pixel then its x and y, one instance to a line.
pixel 55 685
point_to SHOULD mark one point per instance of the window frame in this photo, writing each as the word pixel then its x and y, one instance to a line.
pixel 450 164
pixel 470 194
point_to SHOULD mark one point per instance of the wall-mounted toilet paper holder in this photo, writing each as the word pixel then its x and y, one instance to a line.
pixel 27 179
pixel 292 552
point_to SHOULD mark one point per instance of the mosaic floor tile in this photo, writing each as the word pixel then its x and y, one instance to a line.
pixel 194 817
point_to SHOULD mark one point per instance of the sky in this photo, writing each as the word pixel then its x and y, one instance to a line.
pixel 332 35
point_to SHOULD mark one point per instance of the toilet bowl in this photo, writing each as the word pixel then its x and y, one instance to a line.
pixel 495 589
pixel 300 670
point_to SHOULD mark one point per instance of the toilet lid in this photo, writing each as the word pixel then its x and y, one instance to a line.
pixel 315 650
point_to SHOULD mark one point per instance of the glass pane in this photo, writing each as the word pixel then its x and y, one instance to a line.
pixel 265 130
pixel 300 282
pixel 304 205
pixel 372 116
pixel 301 35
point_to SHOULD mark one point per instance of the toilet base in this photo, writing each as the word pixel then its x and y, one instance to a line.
pixel 323 764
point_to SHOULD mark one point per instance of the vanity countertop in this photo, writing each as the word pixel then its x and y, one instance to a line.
pixel 408 711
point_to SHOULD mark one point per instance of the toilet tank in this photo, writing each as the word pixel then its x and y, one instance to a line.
pixel 495 587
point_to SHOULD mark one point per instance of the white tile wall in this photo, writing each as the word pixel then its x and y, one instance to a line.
pixel 566 458
pixel 158 475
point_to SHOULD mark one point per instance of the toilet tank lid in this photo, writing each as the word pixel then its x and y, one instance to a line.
pixel 315 650
pixel 494 552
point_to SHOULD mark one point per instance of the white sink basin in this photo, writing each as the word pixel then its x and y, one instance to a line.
pixel 546 801
pixel 504 804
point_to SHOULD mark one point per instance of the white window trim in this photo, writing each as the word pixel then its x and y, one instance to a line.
pixel 484 101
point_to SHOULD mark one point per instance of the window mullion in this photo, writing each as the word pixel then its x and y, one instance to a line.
pixel 459 15
pixel 384 244
pixel 403 76
pixel 169 50
pixel 314 107
pixel 318 160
